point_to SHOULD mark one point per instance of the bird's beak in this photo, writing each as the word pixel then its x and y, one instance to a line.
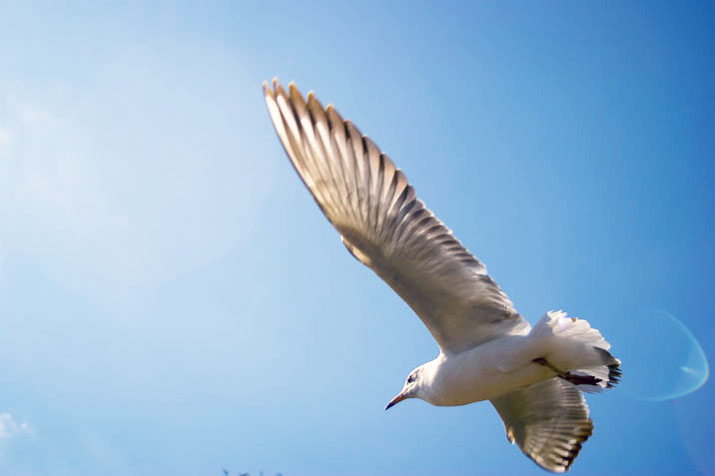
pixel 400 396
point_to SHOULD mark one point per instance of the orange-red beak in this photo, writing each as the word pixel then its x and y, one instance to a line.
pixel 401 396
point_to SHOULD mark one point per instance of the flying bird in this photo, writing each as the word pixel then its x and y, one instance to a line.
pixel 534 377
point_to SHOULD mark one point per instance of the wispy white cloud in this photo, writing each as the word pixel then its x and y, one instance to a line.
pixel 9 427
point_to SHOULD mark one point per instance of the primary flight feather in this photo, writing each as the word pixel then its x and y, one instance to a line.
pixel 533 377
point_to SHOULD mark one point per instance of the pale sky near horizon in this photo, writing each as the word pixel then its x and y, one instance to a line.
pixel 172 301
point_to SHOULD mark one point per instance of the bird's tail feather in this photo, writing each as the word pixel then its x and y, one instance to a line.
pixel 579 352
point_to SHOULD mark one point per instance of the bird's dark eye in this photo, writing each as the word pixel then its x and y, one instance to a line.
pixel 411 378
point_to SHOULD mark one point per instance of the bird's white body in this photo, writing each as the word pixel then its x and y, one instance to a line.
pixel 479 374
pixel 508 363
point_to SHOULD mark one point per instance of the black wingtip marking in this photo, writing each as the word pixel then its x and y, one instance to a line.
pixel 614 375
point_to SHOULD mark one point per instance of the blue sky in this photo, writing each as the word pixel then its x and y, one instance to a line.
pixel 173 302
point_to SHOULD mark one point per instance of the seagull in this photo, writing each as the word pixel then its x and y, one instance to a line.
pixel 534 377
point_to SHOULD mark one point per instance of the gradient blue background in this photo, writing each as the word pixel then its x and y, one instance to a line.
pixel 173 302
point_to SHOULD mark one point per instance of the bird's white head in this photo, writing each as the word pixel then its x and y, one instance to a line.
pixel 412 388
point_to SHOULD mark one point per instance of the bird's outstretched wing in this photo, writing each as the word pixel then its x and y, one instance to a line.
pixel 548 420
pixel 386 227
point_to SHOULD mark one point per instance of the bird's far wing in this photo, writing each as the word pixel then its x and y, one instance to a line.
pixel 548 420
pixel 386 227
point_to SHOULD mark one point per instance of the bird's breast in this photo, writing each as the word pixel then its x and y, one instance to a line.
pixel 475 374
